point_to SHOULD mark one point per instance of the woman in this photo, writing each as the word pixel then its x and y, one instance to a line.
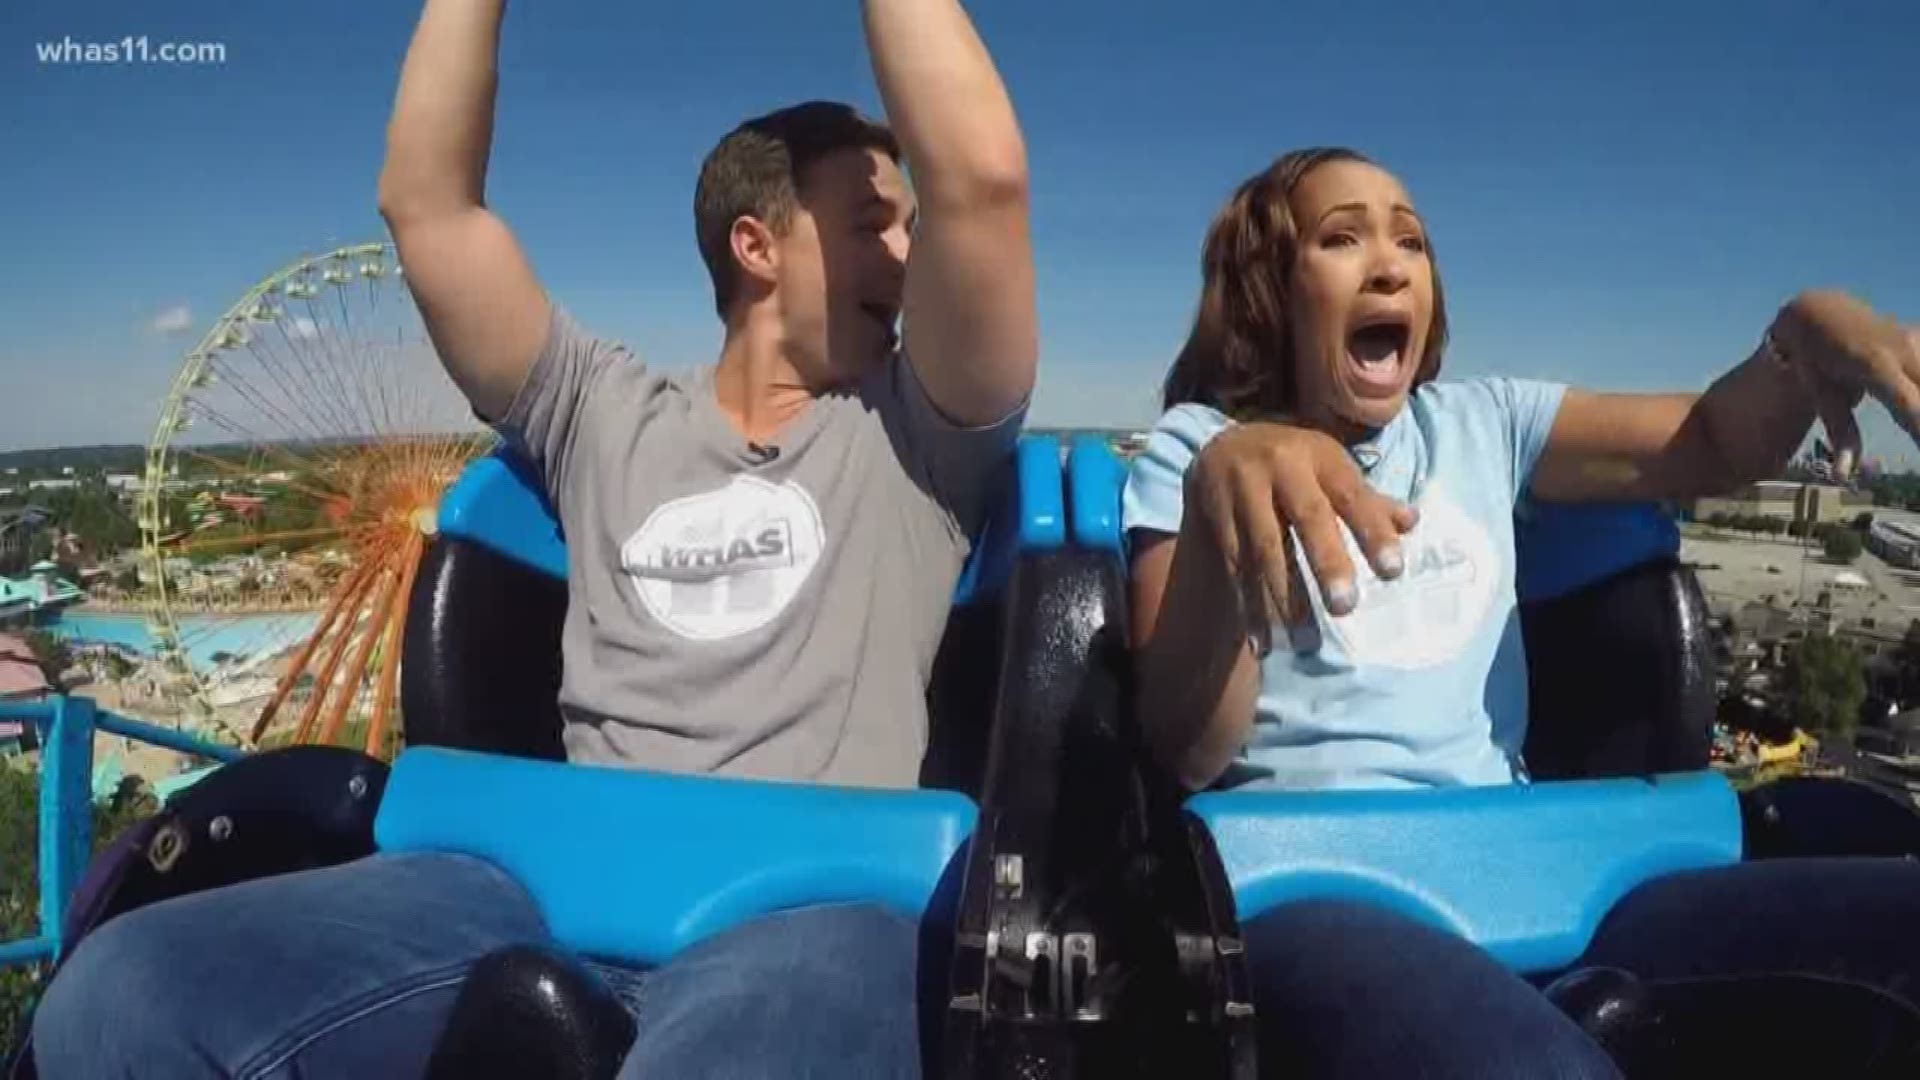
pixel 1354 516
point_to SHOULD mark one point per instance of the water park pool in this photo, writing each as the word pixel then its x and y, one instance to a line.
pixel 202 636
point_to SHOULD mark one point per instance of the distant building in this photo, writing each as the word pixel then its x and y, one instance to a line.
pixel 24 602
pixel 20 677
pixel 18 526
pixel 1789 500
pixel 246 506
pixel 16 603
pixel 1895 542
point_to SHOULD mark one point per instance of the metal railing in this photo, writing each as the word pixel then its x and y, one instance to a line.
pixel 65 727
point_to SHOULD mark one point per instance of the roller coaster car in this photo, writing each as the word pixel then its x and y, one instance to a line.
pixel 1082 917
pixel 1621 706
pixel 483 774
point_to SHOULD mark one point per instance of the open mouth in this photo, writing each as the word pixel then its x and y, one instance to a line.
pixel 887 317
pixel 1377 347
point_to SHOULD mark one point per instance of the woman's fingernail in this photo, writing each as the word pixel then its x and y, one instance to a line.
pixel 1340 598
pixel 1391 561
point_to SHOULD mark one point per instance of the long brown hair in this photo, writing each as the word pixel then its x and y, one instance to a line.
pixel 1239 356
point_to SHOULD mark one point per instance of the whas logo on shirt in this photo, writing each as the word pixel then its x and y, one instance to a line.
pixel 767 549
pixel 728 561
pixel 1435 609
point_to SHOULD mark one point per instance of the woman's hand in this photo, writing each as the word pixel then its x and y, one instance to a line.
pixel 1256 485
pixel 1846 350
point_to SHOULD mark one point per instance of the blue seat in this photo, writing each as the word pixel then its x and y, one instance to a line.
pixel 1560 548
pixel 605 852
pixel 1525 871
pixel 603 832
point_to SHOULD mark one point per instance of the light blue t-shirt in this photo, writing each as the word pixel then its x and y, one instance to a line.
pixel 1424 683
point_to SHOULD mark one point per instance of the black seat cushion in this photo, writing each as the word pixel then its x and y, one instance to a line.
pixel 528 1011
pixel 278 812
pixel 272 813
pixel 1620 676
pixel 482 652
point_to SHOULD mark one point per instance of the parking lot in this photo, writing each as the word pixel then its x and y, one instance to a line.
pixel 1737 572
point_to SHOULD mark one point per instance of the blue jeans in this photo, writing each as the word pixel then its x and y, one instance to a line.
pixel 1349 990
pixel 351 971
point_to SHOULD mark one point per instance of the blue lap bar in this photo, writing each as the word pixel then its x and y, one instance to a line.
pixel 635 866
pixel 1525 871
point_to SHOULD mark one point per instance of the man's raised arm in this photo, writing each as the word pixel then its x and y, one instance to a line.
pixel 483 308
pixel 969 306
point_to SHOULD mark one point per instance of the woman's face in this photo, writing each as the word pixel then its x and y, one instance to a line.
pixel 1361 300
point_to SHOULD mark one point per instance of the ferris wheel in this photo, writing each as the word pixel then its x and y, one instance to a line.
pixel 288 495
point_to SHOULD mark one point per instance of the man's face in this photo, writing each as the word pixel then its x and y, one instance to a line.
pixel 842 266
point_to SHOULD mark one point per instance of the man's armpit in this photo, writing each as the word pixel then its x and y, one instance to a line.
pixel 962 465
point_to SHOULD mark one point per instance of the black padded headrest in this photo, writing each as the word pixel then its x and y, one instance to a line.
pixel 1620 675
pixel 482 652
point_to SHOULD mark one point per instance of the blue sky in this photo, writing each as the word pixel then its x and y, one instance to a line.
pixel 1619 193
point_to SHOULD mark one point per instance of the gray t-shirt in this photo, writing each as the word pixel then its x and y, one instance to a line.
pixel 744 613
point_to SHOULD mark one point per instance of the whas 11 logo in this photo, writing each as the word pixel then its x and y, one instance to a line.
pixel 726 561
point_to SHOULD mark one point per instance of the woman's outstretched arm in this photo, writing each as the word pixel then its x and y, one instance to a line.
pixel 1823 353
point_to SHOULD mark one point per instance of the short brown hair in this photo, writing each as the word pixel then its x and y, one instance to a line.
pixel 1239 357
pixel 756 171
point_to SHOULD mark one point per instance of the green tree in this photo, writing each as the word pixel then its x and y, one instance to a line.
pixel 1826 683
pixel 1907 657
pixel 1843 546
pixel 119 668
pixel 51 653
pixel 20 875
pixel 95 514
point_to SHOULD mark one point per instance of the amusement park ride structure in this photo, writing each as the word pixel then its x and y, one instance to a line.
pixel 318 406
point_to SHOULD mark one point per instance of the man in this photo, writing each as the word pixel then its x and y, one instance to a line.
pixel 760 559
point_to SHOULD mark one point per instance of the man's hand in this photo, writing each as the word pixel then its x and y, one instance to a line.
pixel 971 332
pixel 1846 350
pixel 1256 485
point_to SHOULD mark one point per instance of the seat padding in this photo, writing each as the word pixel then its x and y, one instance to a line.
pixel 482 649
pixel 1561 547
pixel 1524 871
pixel 636 865
pixel 1620 676
pixel 1095 478
pixel 497 502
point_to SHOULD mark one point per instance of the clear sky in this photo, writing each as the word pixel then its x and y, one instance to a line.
pixel 1620 193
